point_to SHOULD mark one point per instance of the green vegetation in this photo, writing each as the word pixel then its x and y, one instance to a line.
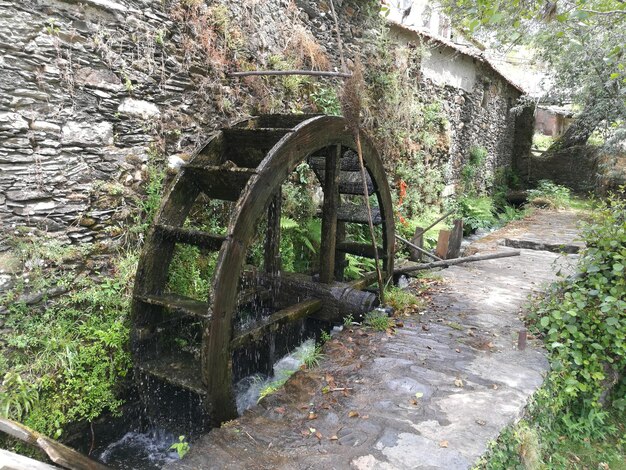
pixel 577 419
pixel 66 363
pixel 542 142
pixel 400 299
pixel 549 194
pixel 181 447
pixel 378 320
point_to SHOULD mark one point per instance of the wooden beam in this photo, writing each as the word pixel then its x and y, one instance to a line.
pixel 273 322
pixel 452 262
pixel 329 215
pixel 57 452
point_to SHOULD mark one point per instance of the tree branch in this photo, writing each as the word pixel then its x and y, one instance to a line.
pixel 605 13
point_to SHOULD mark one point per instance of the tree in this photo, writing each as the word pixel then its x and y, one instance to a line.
pixel 582 41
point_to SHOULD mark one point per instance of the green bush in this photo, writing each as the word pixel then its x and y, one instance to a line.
pixel 584 319
pixel 554 194
pixel 476 212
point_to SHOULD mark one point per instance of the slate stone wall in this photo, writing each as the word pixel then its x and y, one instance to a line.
pixel 91 91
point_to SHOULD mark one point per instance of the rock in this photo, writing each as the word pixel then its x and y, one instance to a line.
pixel 27 195
pixel 45 126
pixel 98 78
pixel 139 108
pixel 87 134
pixel 13 122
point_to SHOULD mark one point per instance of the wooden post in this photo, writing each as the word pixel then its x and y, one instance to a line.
pixel 272 239
pixel 456 237
pixel 329 216
pixel 418 240
pixel 443 243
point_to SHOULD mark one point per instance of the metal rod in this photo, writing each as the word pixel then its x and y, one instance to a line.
pixel 421 250
pixel 290 72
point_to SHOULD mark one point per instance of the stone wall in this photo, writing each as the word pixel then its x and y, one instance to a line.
pixel 94 92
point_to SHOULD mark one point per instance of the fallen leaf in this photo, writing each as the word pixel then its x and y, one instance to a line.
pixel 419 395
pixel 280 410
pixel 312 415
pixel 413 401
pixel 481 422
pixel 305 433
pixel 319 435
pixel 443 443
pixel 494 386
pixel 458 383
pixel 333 438
pixel 399 324
pixel 353 414
pixel 458 350
pixel 428 347
pixel 312 430
pixel 365 417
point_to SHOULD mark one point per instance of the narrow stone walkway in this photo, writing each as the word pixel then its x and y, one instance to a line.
pixel 431 396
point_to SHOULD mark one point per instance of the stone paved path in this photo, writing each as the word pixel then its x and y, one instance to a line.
pixel 429 397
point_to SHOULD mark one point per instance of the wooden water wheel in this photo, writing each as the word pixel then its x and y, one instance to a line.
pixel 247 164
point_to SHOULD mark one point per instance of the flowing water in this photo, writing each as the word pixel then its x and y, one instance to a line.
pixel 150 449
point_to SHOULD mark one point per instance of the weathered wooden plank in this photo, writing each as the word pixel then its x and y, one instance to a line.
pixel 443 242
pixel 283 120
pixel 329 216
pixel 11 461
pixel 356 214
pixel 247 147
pixel 177 368
pixel 350 182
pixel 340 257
pixel 349 162
pixel 178 305
pixel 275 321
pixel 418 241
pixel 272 237
pixel 57 452
pixel 360 249
pixel 190 237
pixel 220 182
pixel 456 237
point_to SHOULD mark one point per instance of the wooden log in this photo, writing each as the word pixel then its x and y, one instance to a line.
pixel 11 461
pixel 415 254
pixel 338 299
pixel 452 262
pixel 442 243
pixel 360 249
pixel 456 237
pixel 57 452
pixel 329 215
pixel 190 237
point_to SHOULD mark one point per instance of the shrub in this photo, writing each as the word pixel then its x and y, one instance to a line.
pixel 476 212
pixel 584 318
pixel 550 194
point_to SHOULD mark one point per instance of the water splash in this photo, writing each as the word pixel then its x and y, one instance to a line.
pixel 146 450
pixel 248 390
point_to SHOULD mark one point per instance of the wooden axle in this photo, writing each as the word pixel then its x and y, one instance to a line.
pixel 338 299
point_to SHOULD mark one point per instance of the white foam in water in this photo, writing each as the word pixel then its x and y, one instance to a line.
pixel 144 450
pixel 249 388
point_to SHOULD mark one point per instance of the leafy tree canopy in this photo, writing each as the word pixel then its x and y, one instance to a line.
pixel 582 41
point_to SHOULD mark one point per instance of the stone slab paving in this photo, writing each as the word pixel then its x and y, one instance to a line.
pixel 431 396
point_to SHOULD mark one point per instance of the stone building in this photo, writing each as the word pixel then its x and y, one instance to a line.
pixel 93 91
pixel 478 100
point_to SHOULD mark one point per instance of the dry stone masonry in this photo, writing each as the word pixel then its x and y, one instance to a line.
pixel 94 92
